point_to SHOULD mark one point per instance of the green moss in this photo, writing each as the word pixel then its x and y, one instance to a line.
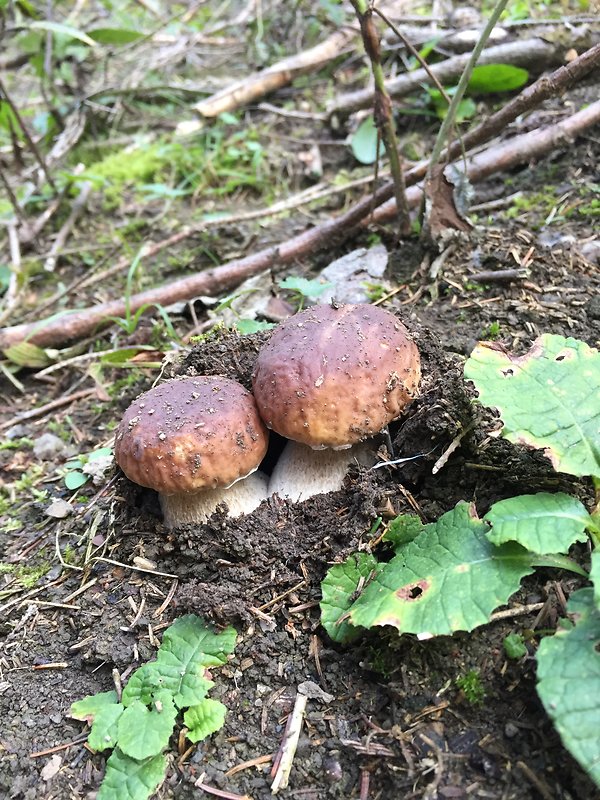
pixel 471 686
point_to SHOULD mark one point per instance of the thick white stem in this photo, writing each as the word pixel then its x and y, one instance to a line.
pixel 302 472
pixel 241 498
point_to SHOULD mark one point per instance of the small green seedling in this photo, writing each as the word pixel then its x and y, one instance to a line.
pixel 514 646
pixel 74 477
pixel 137 728
pixel 450 575
pixel 303 289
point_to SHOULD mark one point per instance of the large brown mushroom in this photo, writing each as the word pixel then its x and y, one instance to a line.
pixel 198 442
pixel 328 379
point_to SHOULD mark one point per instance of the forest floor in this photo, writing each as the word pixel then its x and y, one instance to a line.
pixel 91 591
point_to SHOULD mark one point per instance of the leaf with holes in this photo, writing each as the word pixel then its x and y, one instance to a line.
pixel 204 719
pixel 129 779
pixel 449 578
pixel 547 398
pixel 543 523
pixel 339 589
pixel 568 675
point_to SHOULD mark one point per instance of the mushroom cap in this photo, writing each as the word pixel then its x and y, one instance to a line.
pixel 333 376
pixel 191 434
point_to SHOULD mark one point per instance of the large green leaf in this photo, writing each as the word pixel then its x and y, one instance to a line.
pixel 450 578
pixel 204 719
pixel 104 732
pixel 547 398
pixel 543 523
pixel 569 681
pixel 338 590
pixel 143 732
pixel 87 708
pixel 129 779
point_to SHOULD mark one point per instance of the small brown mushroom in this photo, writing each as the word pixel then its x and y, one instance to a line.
pixel 197 442
pixel 332 377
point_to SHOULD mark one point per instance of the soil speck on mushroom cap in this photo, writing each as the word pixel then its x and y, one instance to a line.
pixel 190 434
pixel 333 376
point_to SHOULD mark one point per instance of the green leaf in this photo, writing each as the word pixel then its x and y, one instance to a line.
pixel 514 646
pixel 129 779
pixel 489 78
pixel 150 679
pixel 63 30
pixel 103 734
pixel 26 354
pixel 203 719
pixel 75 479
pixel 338 591
pixel 595 576
pixel 364 142
pixel 144 732
pixel 246 326
pixel 449 578
pixel 114 35
pixel 307 288
pixel 569 681
pixel 547 398
pixel 403 530
pixel 187 648
pixel 543 523
pixel 87 708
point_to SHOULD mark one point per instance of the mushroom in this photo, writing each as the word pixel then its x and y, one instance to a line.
pixel 332 377
pixel 197 442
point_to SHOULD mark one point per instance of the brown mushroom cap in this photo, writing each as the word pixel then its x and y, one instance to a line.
pixel 191 434
pixel 331 377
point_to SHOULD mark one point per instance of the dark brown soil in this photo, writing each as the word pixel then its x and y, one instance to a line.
pixel 398 724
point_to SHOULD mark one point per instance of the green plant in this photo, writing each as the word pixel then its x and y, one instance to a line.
pixel 131 320
pixel 451 574
pixel 514 646
pixel 137 727
pixel 471 686
pixel 303 289
pixel 75 477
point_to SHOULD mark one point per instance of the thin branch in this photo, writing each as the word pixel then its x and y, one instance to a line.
pixel 521 53
pixel 29 140
pixel 382 110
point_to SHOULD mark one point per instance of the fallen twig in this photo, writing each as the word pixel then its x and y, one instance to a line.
pixel 274 77
pixel 40 411
pixel 521 53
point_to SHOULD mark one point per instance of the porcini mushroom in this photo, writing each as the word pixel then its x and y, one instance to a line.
pixel 198 442
pixel 332 377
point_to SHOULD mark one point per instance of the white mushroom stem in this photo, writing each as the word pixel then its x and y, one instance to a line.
pixel 302 472
pixel 242 497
